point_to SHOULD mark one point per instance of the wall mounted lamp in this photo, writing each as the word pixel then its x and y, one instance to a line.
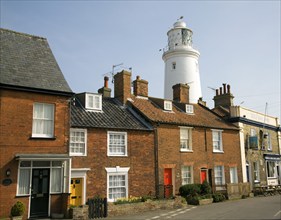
pixel 8 172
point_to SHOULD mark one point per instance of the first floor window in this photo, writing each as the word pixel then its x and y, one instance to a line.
pixel 233 175
pixel 117 144
pixel 186 175
pixel 117 183
pixel 219 175
pixel 271 169
pixel 217 140
pixel 78 142
pixel 43 120
pixel 185 139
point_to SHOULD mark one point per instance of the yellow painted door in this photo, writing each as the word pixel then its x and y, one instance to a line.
pixel 76 191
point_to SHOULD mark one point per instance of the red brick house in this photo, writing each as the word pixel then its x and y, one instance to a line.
pixel 192 143
pixel 111 146
pixel 34 127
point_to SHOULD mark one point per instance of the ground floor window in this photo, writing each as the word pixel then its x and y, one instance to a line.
pixel 256 171
pixel 186 175
pixel 26 168
pixel 271 169
pixel 219 175
pixel 117 183
pixel 233 175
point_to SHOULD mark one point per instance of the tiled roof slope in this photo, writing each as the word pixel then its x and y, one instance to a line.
pixel 202 117
pixel 27 61
pixel 113 115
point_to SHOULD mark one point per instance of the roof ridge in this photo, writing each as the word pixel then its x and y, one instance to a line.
pixel 22 34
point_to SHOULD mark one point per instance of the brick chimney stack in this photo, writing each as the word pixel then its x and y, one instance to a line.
pixel 122 86
pixel 105 91
pixel 223 97
pixel 140 87
pixel 181 93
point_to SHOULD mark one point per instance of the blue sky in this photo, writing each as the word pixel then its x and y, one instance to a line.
pixel 239 42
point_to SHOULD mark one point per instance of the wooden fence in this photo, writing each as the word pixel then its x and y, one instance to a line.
pixel 98 208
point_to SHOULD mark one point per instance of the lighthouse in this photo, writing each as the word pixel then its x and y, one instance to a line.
pixel 181 62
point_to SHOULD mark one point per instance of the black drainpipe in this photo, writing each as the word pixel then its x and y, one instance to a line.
pixel 156 161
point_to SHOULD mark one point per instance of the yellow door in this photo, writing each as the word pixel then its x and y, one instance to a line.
pixel 76 191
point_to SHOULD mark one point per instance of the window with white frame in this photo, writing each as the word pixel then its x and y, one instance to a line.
pixel 43 120
pixel 217 140
pixel 25 175
pixel 116 143
pixel 256 171
pixel 271 169
pixel 78 142
pixel 94 101
pixel 168 105
pixel 233 175
pixel 186 175
pixel 185 139
pixel 219 175
pixel 267 141
pixel 189 109
pixel 117 183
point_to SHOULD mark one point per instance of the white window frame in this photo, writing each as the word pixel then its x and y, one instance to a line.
pixel 189 109
pixel 52 189
pixel 187 140
pixel 38 122
pixel 71 153
pixel 256 171
pixel 273 169
pixel 233 174
pixel 168 106
pixel 93 102
pixel 116 154
pixel 186 175
pixel 117 171
pixel 268 141
pixel 220 145
pixel 219 174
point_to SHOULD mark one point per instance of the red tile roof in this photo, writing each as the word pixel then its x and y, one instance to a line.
pixel 202 117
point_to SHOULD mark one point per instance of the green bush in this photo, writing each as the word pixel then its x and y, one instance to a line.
pixel 190 189
pixel 192 200
pixel 205 188
pixel 17 209
pixel 218 197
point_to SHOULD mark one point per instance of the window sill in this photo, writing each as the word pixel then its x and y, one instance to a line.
pixel 218 152
pixel 19 196
pixel 77 155
pixel 43 138
pixel 186 151
pixel 112 155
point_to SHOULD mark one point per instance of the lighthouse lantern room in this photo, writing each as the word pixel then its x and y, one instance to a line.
pixel 181 62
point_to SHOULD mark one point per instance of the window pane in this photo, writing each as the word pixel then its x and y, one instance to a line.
pixel 56 184
pixel 24 181
pixel 117 144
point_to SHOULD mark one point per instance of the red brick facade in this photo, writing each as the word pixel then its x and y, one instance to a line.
pixel 16 114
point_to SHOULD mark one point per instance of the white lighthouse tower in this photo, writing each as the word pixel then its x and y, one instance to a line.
pixel 181 62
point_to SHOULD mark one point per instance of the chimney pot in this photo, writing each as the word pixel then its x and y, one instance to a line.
pixel 224 88
pixel 220 90
pixel 228 88
pixel 106 81
pixel 217 91
pixel 138 77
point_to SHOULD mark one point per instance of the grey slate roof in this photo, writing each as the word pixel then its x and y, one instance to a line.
pixel 113 115
pixel 27 61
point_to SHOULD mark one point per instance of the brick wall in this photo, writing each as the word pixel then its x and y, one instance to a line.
pixel 16 110
pixel 202 155
pixel 140 159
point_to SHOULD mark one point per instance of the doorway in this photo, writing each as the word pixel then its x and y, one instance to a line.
pixel 39 205
pixel 203 175
pixel 168 183
pixel 76 191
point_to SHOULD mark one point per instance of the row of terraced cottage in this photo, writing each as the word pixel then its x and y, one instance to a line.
pixel 58 148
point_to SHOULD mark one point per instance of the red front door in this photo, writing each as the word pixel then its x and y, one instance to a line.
pixel 168 187
pixel 203 175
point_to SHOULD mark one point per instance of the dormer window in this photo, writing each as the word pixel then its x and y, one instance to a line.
pixel 189 109
pixel 168 105
pixel 93 102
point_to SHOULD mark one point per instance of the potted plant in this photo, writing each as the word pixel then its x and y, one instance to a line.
pixel 17 210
